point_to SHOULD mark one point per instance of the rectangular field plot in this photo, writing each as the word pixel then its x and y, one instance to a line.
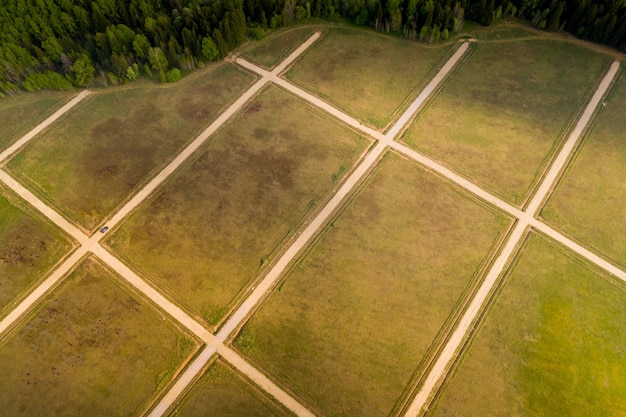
pixel 505 111
pixel 91 349
pixel 22 112
pixel 351 325
pixel 370 75
pixel 270 51
pixel 590 200
pixel 552 343
pixel 91 160
pixel 29 248
pixel 210 232
pixel 222 392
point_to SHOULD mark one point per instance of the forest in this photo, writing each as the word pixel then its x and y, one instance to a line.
pixel 61 44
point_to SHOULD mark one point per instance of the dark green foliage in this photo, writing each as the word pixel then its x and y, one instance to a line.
pixel 173 75
pixel 88 40
pixel 46 81
pixel 83 41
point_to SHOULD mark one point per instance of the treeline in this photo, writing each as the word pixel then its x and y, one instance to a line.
pixel 597 21
pixel 601 21
pixel 64 43
pixel 60 43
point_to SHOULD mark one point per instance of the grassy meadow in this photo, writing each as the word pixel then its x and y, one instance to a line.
pixel 272 50
pixel 89 161
pixel 505 111
pixel 552 343
pixel 349 326
pixel 590 201
pixel 91 348
pixel 503 30
pixel 29 247
pixel 369 75
pixel 22 112
pixel 222 392
pixel 215 227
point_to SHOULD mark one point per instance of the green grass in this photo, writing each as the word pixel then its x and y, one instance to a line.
pixel 272 50
pixel 350 324
pixel 590 201
pixel 503 30
pixel 222 392
pixel 91 348
pixel 29 247
pixel 22 112
pixel 368 74
pixel 208 234
pixel 505 110
pixel 90 161
pixel 552 344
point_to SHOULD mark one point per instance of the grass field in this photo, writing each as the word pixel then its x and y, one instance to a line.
pixel 29 247
pixel 552 344
pixel 368 74
pixel 221 392
pixel 270 51
pixel 590 201
pixel 350 324
pixel 499 123
pixel 22 112
pixel 216 227
pixel 90 161
pixel 503 30
pixel 92 348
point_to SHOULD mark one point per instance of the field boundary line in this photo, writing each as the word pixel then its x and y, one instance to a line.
pixel 41 126
pixel 459 336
